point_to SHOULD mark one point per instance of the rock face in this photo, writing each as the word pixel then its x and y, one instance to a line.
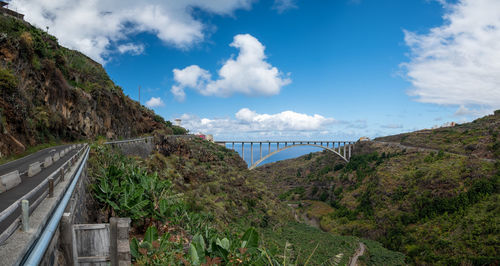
pixel 52 93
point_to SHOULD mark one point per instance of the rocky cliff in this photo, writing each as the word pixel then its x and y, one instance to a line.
pixel 51 93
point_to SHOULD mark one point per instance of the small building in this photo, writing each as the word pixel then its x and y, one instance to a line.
pixel 178 122
pixel 10 13
pixel 207 137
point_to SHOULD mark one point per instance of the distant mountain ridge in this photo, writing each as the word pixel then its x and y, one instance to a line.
pixel 49 92
pixel 478 138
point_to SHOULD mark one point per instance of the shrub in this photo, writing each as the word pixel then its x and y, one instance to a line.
pixel 179 130
pixel 8 82
pixel 338 166
pixel 26 43
pixel 205 249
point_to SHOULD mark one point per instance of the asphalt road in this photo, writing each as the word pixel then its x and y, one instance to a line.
pixel 22 164
pixel 28 183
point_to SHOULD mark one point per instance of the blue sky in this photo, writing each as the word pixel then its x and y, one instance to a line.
pixel 312 69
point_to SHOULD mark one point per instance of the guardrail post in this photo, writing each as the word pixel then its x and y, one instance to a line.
pixel 119 252
pixel 25 218
pixel 67 237
pixel 51 187
pixel 62 173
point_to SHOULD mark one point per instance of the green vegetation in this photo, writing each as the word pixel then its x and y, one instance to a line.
pixel 206 249
pixel 52 94
pixel 123 188
pixel 194 202
pixel 479 138
pixel 436 207
pixel 304 244
pixel 8 82
pixel 43 51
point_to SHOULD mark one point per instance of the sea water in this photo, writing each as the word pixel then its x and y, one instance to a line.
pixel 289 153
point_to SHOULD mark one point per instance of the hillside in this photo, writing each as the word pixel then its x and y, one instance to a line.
pixel 436 207
pixel 210 194
pixel 480 138
pixel 50 93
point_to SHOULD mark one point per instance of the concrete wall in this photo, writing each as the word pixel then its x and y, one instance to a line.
pixel 140 148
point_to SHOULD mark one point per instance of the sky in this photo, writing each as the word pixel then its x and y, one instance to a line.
pixel 291 69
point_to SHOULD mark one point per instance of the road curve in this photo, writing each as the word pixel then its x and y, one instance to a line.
pixel 22 164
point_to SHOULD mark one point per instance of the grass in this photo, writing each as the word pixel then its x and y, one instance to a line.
pixel 304 243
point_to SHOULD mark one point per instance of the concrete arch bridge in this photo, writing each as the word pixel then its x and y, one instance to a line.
pixel 341 148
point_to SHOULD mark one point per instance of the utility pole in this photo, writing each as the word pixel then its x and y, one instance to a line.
pixel 139 94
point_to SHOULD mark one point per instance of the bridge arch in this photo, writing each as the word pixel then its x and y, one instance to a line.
pixel 254 165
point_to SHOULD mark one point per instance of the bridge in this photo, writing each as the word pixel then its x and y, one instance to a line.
pixel 341 148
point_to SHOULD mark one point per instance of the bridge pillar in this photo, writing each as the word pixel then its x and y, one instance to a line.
pixel 269 149
pixel 243 150
pixel 260 151
pixel 251 153
pixel 349 151
pixel 233 146
pixel 344 150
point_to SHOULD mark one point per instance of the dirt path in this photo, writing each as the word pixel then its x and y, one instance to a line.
pixel 359 252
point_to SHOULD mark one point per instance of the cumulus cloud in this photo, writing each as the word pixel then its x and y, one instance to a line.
pixel 191 76
pixel 284 5
pixel 458 63
pixel 248 74
pixel 95 27
pixel 249 121
pixel 155 102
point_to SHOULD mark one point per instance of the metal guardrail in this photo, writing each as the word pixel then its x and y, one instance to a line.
pixel 38 248
pixel 129 140
pixel 35 196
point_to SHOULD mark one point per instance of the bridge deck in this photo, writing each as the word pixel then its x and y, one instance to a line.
pixel 341 148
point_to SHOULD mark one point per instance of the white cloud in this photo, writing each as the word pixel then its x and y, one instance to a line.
pixel 94 27
pixel 248 121
pixel 135 49
pixel 284 5
pixel 458 63
pixel 191 76
pixel 155 102
pixel 248 74
pixel 464 111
